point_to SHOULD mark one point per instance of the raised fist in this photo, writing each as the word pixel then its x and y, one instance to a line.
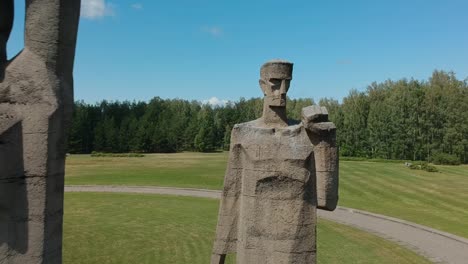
pixel 315 119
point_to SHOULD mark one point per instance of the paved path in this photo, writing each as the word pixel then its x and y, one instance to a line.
pixel 438 246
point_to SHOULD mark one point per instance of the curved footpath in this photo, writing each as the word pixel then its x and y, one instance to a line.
pixel 437 246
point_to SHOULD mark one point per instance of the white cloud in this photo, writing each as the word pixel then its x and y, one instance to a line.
pixel 137 6
pixel 214 31
pixel 214 101
pixel 93 9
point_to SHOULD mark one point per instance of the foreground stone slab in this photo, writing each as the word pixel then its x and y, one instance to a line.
pixel 279 171
pixel 36 99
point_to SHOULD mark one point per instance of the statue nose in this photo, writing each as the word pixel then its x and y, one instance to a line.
pixel 283 87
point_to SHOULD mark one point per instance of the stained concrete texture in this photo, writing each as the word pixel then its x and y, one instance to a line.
pixel 279 171
pixel 36 99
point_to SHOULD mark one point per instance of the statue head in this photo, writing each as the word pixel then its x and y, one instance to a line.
pixel 275 77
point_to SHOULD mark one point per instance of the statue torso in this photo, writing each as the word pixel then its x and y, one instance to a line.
pixel 278 196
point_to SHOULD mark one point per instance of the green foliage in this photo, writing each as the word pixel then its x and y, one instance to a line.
pixel 227 137
pixel 430 168
pixel 354 140
pixel 205 140
pixel 423 166
pixel 344 158
pixel 294 107
pixel 162 125
pixel 405 119
pixel 400 120
pixel 440 158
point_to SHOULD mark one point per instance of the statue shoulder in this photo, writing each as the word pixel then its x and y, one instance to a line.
pixel 246 132
pixel 239 132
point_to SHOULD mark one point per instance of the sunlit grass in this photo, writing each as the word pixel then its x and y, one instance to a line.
pixel 196 170
pixel 439 200
pixel 135 228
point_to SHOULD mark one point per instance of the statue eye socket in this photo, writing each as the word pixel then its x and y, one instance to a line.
pixel 275 82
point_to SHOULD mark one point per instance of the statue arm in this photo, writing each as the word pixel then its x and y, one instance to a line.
pixel 226 230
pixel 322 133
pixel 326 166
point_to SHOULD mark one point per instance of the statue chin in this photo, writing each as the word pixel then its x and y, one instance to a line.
pixel 281 103
pixel 275 101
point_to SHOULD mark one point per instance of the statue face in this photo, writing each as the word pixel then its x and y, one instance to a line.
pixel 275 87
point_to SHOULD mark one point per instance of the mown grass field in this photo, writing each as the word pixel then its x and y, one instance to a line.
pixel 438 200
pixel 104 228
pixel 194 170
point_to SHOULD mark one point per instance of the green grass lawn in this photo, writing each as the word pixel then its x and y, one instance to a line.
pixel 195 170
pixel 134 228
pixel 438 200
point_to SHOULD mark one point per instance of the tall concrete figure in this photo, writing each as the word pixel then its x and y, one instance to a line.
pixel 278 173
pixel 36 98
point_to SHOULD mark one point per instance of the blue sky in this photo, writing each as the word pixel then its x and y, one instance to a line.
pixel 138 49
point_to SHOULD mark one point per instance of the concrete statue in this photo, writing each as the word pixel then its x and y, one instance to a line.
pixel 279 172
pixel 36 99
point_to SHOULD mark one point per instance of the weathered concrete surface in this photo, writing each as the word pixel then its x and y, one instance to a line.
pixel 36 98
pixel 436 245
pixel 278 173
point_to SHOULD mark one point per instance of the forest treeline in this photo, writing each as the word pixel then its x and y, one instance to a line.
pixel 404 119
